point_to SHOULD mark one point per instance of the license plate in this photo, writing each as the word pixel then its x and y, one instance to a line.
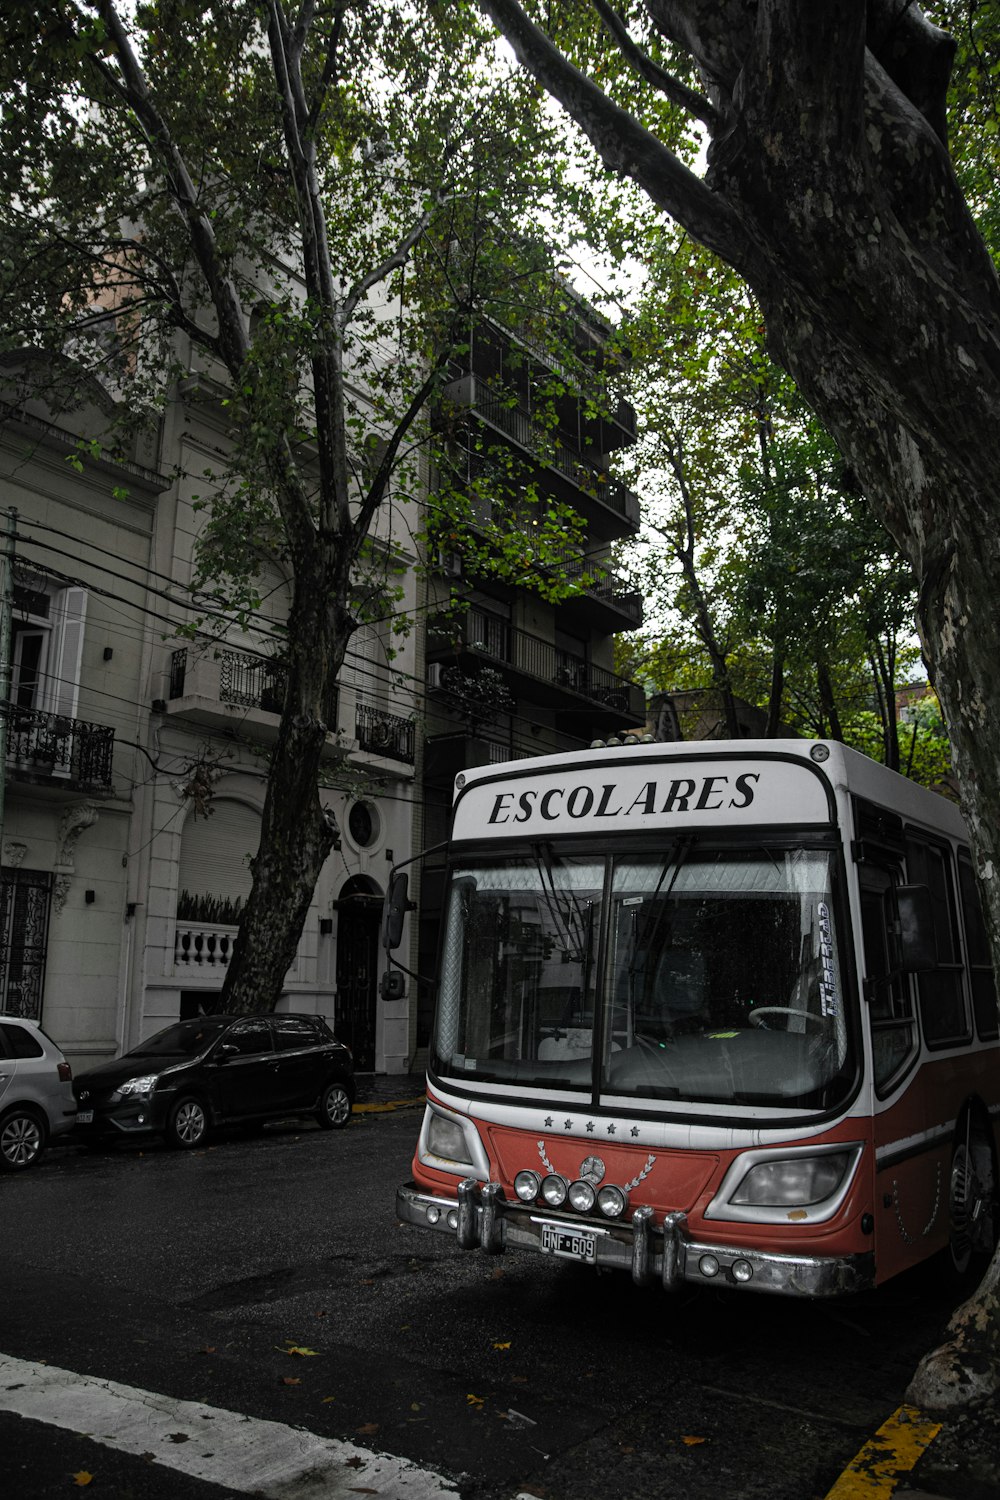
pixel 84 1116
pixel 570 1243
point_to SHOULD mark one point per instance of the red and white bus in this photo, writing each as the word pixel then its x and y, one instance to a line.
pixel 714 1013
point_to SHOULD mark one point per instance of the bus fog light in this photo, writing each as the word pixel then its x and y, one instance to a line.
pixel 554 1190
pixel 742 1270
pixel 527 1186
pixel 452 1219
pixel 433 1214
pixel 582 1196
pixel 797 1181
pixel 612 1201
pixel 708 1265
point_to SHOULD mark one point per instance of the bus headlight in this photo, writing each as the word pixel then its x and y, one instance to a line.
pixel 793 1182
pixel 527 1186
pixel 447 1138
pixel 582 1196
pixel 554 1190
pixel 612 1201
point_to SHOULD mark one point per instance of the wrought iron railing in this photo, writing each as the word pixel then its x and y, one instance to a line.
pixel 519 425
pixel 382 733
pixel 244 680
pixel 251 681
pixel 53 745
pixel 495 638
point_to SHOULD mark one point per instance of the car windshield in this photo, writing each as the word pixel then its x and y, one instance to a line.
pixel 183 1039
pixel 720 977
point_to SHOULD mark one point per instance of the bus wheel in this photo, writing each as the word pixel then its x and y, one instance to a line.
pixel 972 1201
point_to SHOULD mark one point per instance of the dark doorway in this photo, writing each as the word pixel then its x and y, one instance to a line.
pixel 24 921
pixel 359 917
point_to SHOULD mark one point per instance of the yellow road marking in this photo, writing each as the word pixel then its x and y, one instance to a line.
pixel 893 1451
pixel 382 1109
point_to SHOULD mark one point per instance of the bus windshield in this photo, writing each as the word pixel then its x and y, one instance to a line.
pixel 695 974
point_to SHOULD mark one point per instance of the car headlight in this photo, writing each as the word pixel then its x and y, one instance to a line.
pixel 796 1181
pixel 144 1085
pixel 447 1138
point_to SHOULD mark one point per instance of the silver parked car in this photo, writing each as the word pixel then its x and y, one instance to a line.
pixel 36 1093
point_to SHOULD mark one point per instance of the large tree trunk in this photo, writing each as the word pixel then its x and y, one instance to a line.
pixel 297 833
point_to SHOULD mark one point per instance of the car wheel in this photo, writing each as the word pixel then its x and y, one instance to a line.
pixel 334 1107
pixel 187 1125
pixel 22 1140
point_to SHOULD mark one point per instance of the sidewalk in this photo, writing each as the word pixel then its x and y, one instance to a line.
pixel 382 1091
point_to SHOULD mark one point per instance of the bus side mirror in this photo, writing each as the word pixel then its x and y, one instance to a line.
pixel 915 919
pixel 394 910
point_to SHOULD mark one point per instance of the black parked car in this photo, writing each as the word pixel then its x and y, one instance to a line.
pixel 218 1070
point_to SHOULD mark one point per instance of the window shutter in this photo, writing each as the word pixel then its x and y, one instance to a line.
pixel 62 688
pixel 216 851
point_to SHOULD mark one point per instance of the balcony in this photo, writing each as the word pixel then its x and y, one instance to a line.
pixel 609 507
pixel 381 733
pixel 606 603
pixel 230 690
pixel 202 950
pixel 52 749
pixel 539 671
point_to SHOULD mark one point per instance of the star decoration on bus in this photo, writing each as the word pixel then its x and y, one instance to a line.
pixel 635 1130
pixel 611 1130
pixel 590 1127
pixel 548 1122
pixel 567 1124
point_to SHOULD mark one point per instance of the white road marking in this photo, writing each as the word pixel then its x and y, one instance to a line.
pixel 227 1448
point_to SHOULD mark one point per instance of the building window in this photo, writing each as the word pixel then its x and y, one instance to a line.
pixel 363 824
pixel 46 645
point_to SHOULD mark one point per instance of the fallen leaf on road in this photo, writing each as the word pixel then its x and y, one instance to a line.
pixel 369 1429
pixel 180 1437
pixel 414 1405
pixel 354 1462
pixel 503 1346
pixel 693 1442
pixel 298 1349
pixel 328 1398
pixel 82 1478
pixel 475 1400
pixel 291 1380
pixel 207 1349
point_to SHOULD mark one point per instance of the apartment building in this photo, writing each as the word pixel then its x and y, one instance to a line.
pixel 137 738
pixel 510 674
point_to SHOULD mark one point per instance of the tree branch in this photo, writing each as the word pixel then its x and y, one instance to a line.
pixel 677 92
pixel 625 146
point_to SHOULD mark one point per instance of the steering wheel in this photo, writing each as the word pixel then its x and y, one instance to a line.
pixel 785 1010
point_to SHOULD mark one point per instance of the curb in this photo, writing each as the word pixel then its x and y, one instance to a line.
pixel 876 1469
pixel 388 1107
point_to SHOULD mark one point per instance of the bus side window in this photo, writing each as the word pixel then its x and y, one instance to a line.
pixel 887 990
pixel 977 950
pixel 943 1010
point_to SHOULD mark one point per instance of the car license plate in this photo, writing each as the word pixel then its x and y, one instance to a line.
pixel 84 1116
pixel 570 1243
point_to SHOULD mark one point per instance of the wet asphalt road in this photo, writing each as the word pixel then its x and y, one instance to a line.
pixel 193 1274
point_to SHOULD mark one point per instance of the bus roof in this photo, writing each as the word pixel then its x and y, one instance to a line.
pixel 696 782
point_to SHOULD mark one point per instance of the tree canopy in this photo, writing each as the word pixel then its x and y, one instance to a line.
pixel 299 213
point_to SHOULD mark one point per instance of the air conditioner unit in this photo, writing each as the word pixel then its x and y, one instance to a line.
pixel 450 563
pixel 435 675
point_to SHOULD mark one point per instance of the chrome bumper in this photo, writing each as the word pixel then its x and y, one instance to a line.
pixel 481 1218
